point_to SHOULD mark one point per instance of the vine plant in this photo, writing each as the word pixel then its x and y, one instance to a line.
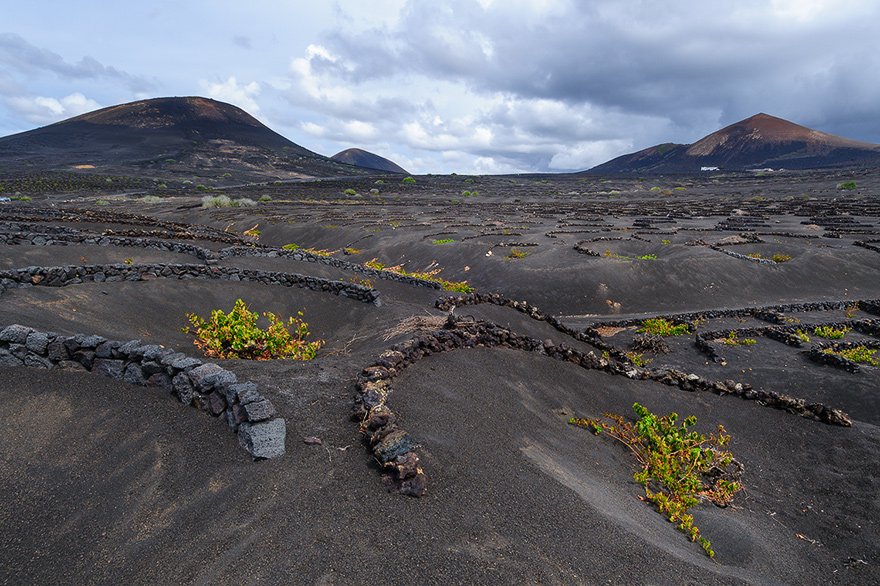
pixel 685 465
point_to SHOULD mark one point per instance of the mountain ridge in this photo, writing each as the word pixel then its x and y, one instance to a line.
pixel 168 137
pixel 757 142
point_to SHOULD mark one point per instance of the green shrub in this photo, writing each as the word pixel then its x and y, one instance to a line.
pixel 236 335
pixel 428 275
pixel 732 340
pixel 265 198
pixel 681 462
pixel 663 327
pixel 290 246
pixel 408 180
pixel 350 192
pixel 516 253
pixel 847 185
pixel 860 354
pixel 829 332
pixel 150 199
pixel 780 258
pixel 444 241
pixel 216 201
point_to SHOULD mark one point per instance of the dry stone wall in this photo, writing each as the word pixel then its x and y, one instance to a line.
pixel 61 276
pixel 205 386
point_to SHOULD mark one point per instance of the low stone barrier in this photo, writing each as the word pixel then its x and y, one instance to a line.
pixel 205 386
pixel 395 449
pixel 76 238
pixel 62 276
pixel 818 353
pixel 302 255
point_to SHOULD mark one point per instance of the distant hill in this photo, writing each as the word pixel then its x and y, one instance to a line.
pixel 167 137
pixel 363 158
pixel 759 142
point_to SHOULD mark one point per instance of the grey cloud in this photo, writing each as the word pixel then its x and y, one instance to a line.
pixel 677 60
pixel 21 56
pixel 243 41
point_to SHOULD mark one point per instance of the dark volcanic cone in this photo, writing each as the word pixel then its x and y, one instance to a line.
pixel 363 158
pixel 165 136
pixel 758 142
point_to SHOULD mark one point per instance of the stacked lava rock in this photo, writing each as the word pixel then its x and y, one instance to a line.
pixel 392 446
pixel 207 387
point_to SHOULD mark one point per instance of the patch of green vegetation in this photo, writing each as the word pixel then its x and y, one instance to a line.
pixel 662 327
pixel 408 180
pixel 777 258
pixel 350 192
pixel 265 198
pixel 321 251
pixel 733 340
pixel 860 354
pixel 470 193
pixel 847 185
pixel 829 332
pixel 610 254
pixel 223 201
pixel 516 253
pixel 236 335
pixel 150 199
pixel 429 275
pixel 291 246
pixel 803 337
pixel 638 359
pixel 444 241
pixel 679 461
pixel 352 250
pixel 655 188
pixel 380 182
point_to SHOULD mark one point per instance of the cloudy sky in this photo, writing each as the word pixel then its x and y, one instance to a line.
pixel 471 86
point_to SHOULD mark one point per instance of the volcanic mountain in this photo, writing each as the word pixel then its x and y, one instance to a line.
pixel 759 142
pixel 166 137
pixel 363 158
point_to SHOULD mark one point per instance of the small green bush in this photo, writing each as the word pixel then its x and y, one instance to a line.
pixel 829 332
pixel 265 198
pixel 860 354
pixel 408 180
pixel 732 340
pixel 290 246
pixel 663 327
pixel 683 464
pixel 216 201
pixel 847 185
pixel 350 192
pixel 236 335
pixel 444 241
pixel 516 253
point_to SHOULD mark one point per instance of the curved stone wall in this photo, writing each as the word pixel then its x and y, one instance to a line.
pixel 62 276
pixel 205 386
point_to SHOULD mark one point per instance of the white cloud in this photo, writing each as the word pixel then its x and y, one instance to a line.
pixel 243 96
pixel 43 110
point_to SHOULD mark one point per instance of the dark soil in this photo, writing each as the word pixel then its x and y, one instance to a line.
pixel 106 483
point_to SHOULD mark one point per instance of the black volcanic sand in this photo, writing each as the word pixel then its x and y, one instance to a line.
pixel 106 483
